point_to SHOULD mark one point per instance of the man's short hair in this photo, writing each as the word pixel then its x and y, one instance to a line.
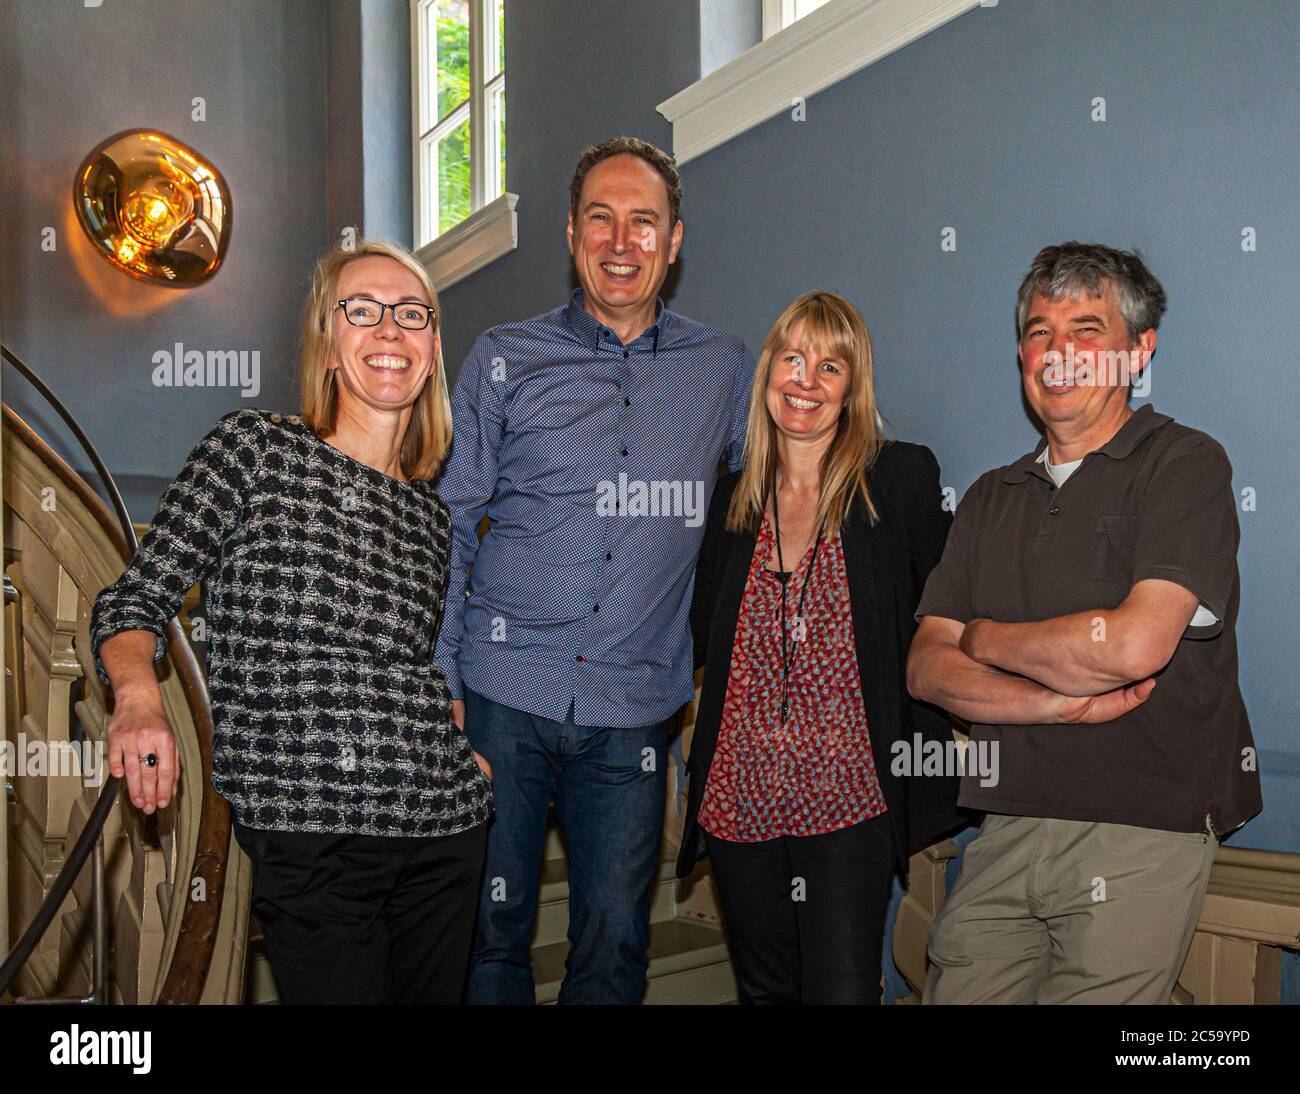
pixel 657 158
pixel 1073 268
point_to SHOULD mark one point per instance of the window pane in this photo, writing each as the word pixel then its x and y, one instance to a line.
pixel 501 179
pixel 452 54
pixel 804 7
pixel 453 177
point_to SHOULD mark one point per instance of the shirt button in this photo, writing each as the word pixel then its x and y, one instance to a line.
pixel 606 331
pixel 595 607
pixel 627 353
pixel 625 452
pixel 580 658
pixel 608 556
pixel 627 401
pixel 1054 510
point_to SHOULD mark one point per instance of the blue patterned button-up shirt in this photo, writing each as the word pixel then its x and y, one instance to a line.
pixel 594 462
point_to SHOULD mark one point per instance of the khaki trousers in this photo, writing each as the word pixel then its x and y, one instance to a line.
pixel 1059 911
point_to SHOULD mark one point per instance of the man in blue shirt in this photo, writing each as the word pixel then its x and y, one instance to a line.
pixel 591 438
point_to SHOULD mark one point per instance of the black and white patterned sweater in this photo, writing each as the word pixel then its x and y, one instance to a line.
pixel 324 582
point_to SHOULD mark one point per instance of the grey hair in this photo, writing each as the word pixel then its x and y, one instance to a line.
pixel 1073 268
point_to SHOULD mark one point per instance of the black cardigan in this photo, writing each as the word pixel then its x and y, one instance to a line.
pixel 887 564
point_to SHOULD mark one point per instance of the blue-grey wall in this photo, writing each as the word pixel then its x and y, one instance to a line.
pixel 727 29
pixel 385 122
pixel 344 111
pixel 369 118
pixel 74 75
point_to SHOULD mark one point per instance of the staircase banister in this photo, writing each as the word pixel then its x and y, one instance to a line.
pixel 191 956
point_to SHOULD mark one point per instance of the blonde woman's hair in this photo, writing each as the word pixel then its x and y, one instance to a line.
pixel 836 329
pixel 428 434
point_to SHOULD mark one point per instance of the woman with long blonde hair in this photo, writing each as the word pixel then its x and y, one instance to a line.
pixel 324 550
pixel 814 558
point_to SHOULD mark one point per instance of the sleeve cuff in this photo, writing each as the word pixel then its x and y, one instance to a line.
pixel 1213 605
pixel 159 650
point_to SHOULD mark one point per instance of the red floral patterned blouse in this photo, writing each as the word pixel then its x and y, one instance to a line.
pixel 816 773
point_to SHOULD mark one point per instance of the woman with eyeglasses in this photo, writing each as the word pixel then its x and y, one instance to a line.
pixel 813 560
pixel 323 549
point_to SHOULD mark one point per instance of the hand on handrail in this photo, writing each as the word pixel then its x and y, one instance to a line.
pixel 139 727
pixel 137 730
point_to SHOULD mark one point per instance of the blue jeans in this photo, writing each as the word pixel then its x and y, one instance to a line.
pixel 608 785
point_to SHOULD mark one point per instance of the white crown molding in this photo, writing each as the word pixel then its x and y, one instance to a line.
pixel 820 49
pixel 482 237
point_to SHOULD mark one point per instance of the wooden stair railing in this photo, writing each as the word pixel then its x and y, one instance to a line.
pixel 177 885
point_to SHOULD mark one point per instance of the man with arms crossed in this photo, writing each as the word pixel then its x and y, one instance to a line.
pixel 570 644
pixel 1082 619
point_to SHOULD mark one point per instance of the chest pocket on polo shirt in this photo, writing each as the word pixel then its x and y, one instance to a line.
pixel 1111 557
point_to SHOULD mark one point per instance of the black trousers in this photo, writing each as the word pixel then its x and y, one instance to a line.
pixel 805 915
pixel 366 919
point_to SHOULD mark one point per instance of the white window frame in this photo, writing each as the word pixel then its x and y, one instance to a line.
pixel 779 14
pixel 491 229
pixel 796 62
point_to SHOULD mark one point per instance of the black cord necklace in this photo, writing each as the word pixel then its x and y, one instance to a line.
pixel 787 653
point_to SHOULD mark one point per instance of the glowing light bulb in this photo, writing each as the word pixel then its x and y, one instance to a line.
pixel 154 208
pixel 154 212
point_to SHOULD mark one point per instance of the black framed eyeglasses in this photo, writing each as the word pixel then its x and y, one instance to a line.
pixel 361 311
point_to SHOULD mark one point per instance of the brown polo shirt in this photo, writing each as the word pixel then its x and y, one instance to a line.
pixel 1156 501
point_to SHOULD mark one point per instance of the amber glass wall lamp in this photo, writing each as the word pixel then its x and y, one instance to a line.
pixel 154 208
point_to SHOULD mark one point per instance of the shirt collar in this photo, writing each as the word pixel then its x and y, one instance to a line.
pixel 591 332
pixel 1144 420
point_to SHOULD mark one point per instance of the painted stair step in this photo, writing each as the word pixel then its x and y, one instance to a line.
pixel 553 848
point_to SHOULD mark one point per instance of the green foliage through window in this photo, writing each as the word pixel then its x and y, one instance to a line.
pixel 459 97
